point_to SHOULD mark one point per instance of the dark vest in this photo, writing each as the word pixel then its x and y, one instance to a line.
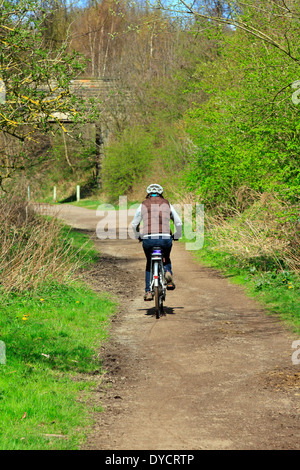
pixel 156 214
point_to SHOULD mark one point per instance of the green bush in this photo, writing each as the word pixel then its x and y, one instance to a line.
pixel 126 162
pixel 247 131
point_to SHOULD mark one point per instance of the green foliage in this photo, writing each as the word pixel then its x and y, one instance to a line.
pixel 37 83
pixel 51 340
pixel 126 161
pixel 247 132
pixel 52 336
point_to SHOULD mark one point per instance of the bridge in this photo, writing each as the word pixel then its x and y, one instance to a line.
pixel 100 89
pixel 106 91
pixel 111 102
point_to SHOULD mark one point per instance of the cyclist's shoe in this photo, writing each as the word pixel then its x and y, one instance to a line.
pixel 170 285
pixel 148 296
pixel 169 279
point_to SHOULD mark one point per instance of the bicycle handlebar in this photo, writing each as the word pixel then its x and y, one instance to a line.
pixel 173 238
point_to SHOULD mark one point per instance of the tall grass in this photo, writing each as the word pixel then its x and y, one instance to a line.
pixel 33 248
pixel 53 365
pixel 265 234
pixel 256 244
pixel 52 331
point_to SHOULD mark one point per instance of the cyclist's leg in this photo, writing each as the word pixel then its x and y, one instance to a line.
pixel 147 280
pixel 167 247
pixel 168 264
pixel 147 250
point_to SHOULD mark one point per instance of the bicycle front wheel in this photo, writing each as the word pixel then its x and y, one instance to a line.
pixel 157 306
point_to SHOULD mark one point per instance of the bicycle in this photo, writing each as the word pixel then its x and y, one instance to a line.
pixel 157 280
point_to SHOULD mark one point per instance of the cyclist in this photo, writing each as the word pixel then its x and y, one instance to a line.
pixel 156 213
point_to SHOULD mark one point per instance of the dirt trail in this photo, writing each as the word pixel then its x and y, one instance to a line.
pixel 215 373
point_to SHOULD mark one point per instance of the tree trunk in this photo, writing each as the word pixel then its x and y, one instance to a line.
pixel 99 154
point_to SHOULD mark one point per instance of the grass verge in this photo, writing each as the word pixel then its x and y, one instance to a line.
pixel 277 291
pixel 52 336
pixel 87 204
pixel 93 204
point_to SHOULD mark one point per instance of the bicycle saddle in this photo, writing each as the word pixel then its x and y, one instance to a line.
pixel 157 250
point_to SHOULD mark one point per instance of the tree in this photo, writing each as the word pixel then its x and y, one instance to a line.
pixel 275 22
pixel 95 34
pixel 247 131
pixel 36 79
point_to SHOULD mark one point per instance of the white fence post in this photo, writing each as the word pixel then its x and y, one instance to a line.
pixel 2 92
pixel 78 192
pixel 54 194
pixel 2 353
pixel 28 193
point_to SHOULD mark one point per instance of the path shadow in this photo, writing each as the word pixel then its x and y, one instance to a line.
pixel 86 190
pixel 167 310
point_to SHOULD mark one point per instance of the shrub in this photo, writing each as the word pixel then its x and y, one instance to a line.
pixel 33 248
pixel 125 162
pixel 265 235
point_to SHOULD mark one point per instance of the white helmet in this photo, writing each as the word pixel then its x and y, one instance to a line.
pixel 155 189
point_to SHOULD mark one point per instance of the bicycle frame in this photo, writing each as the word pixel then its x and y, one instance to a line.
pixel 157 279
